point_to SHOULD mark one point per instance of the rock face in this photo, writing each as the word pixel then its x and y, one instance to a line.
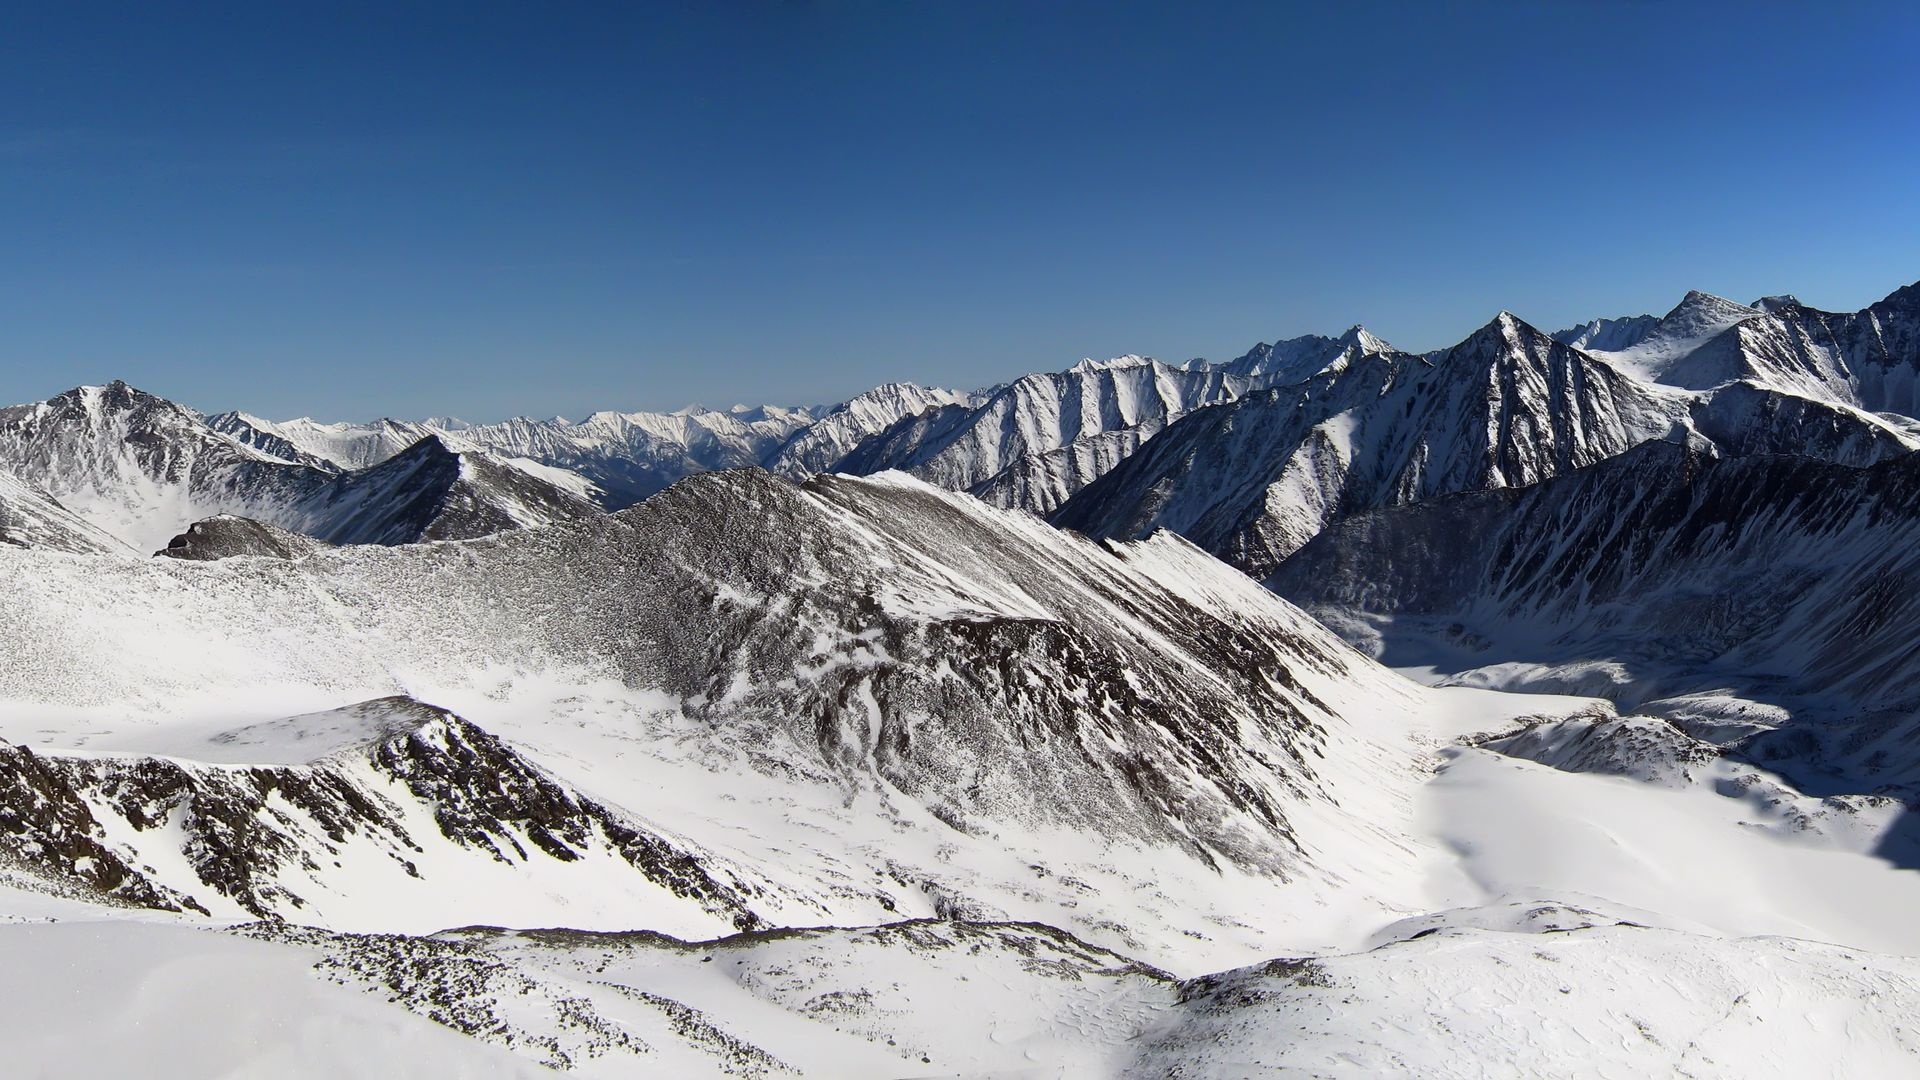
pixel 1254 480
pixel 226 536
pixel 1037 440
pixel 400 794
pixel 48 829
pixel 1790 581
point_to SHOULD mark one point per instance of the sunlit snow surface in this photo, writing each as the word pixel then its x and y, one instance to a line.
pixel 1466 889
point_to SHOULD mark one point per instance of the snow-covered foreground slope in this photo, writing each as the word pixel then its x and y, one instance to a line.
pixel 1540 981
pixel 856 700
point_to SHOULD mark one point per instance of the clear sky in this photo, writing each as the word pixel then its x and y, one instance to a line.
pixel 488 209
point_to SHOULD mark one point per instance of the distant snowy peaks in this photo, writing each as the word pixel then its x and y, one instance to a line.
pixel 1608 335
pixel 1294 360
pixel 1089 364
pixel 1506 330
pixel 1358 337
pixel 1700 311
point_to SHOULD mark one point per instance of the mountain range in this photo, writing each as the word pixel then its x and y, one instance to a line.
pixel 1548 698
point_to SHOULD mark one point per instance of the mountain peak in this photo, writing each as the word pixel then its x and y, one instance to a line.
pixel 1358 337
pixel 1905 298
pixel 1699 306
pixel 1089 364
pixel 1512 327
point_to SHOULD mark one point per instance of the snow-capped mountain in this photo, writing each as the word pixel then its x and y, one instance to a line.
pixel 140 469
pixel 1673 584
pixel 341 446
pixel 1866 360
pixel 1253 480
pixel 430 492
pixel 820 445
pixel 613 458
pixel 1294 360
pixel 790 772
pixel 629 456
pixel 1040 438
pixel 1608 335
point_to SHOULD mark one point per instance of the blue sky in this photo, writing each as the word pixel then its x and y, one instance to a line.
pixel 497 209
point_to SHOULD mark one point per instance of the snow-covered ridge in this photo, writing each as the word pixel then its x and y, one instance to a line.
pixel 141 469
pixel 1254 479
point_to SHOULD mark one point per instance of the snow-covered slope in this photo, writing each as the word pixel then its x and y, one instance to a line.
pixel 1519 989
pixel 431 492
pixel 1659 351
pixel 1253 480
pixel 816 447
pixel 1766 602
pixel 1037 440
pixel 141 469
pixel 30 517
pixel 889 700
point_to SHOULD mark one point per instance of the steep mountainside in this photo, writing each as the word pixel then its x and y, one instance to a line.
pixel 141 469
pixel 430 492
pixel 1254 480
pixel 822 443
pixel 1671 583
pixel 32 518
pixel 1040 438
